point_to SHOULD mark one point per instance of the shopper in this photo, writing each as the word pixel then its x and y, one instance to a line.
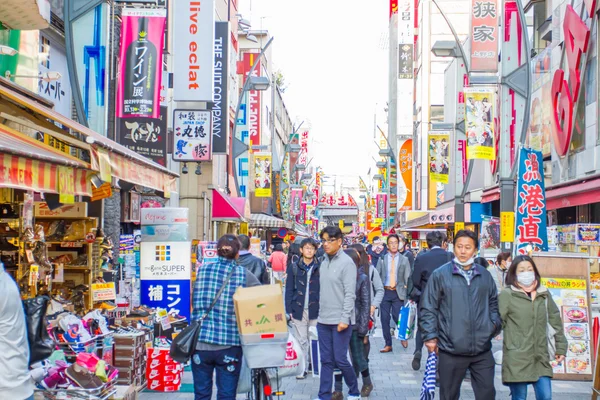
pixel 252 263
pixel 459 315
pixel 336 313
pixel 425 264
pixel 526 308
pixel 302 296
pixel 15 380
pixel 394 270
pixel 376 250
pixel 500 268
pixel 362 309
pixel 219 347
pixel 278 261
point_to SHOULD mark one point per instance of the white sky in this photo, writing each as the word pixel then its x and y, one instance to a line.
pixel 335 67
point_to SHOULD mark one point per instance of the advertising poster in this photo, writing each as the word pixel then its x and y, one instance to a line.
pixel 393 179
pixel 539 135
pixel 480 112
pixel 484 35
pixel 262 175
pixel 192 135
pixel 405 170
pixel 381 204
pixel 439 156
pixel 138 89
pixel 295 202
pixel 145 136
pixel 254 100
pixel 490 233
pixel 531 203
pixel 588 234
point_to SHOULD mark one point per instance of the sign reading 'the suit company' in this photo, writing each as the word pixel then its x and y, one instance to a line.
pixel 194 34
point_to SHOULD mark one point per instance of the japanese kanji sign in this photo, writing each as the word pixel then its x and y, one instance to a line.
pixel 381 205
pixel 145 136
pixel 296 202
pixel 192 135
pixel 484 35
pixel 479 118
pixel 531 203
pixel 140 66
pixel 405 66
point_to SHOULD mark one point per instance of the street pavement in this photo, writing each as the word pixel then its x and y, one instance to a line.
pixel 394 378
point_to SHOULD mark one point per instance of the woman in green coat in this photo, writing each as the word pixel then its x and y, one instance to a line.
pixel 524 318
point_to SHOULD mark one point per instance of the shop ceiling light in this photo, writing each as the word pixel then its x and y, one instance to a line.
pixel 7 51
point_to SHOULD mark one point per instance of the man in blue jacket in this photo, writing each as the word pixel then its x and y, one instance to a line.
pixel 302 295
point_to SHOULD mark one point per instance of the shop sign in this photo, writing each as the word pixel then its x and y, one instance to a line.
pixel 66 185
pixel 262 175
pixel 276 190
pixel 103 192
pixel 295 201
pixel 381 201
pixel 220 111
pixel 303 156
pixel 507 226
pixel 480 124
pixel 406 172
pixel 462 149
pixel 393 8
pixel 192 135
pixel 439 157
pixel 458 226
pixel 145 136
pixel 194 62
pixel 76 210
pixel 165 216
pixel 393 182
pixel 165 273
pixel 254 100
pixel 59 91
pixel 588 234
pixel 484 35
pixel 565 93
pixel 531 203
pixel 405 66
pixel 103 291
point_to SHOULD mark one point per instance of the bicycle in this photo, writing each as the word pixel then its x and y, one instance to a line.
pixel 262 389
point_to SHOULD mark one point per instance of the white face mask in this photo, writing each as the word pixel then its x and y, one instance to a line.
pixel 526 278
pixel 470 261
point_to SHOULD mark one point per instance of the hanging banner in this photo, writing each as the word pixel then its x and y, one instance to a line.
pixel 439 156
pixel 484 35
pixel 381 203
pixel 295 201
pixel 192 135
pixel 303 155
pixel 406 172
pixel 66 185
pixel 490 234
pixel 193 56
pixel 462 149
pixel 480 112
pixel 393 182
pixel 220 110
pixel 531 203
pixel 138 89
pixel 541 125
pixel 253 103
pixel 145 136
pixel 262 175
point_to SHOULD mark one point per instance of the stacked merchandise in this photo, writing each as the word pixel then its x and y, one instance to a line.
pixel 9 220
pixel 163 373
pixel 130 356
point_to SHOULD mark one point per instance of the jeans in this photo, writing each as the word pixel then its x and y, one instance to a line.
pixel 453 369
pixel 228 365
pixel 543 389
pixel 391 304
pixel 333 346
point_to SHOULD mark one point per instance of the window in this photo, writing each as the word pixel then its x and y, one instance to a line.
pixel 44 52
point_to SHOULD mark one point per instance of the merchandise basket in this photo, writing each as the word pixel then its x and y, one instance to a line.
pixel 104 393
pixel 101 345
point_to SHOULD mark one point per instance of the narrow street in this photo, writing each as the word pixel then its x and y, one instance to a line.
pixel 394 379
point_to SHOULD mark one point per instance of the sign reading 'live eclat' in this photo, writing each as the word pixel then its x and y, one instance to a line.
pixel 565 93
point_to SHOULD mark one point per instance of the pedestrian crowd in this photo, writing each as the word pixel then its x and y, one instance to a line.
pixel 340 292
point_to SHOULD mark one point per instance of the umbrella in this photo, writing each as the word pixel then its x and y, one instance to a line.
pixel 428 386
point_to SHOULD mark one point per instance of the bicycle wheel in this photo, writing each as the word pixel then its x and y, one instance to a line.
pixel 264 391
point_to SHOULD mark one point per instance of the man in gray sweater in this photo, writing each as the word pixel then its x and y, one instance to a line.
pixel 336 313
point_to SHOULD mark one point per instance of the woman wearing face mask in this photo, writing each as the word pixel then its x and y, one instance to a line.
pixel 526 307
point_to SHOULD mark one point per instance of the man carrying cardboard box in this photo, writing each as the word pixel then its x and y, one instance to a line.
pixel 336 313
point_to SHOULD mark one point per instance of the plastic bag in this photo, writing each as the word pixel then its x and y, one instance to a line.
pixel 245 380
pixel 407 321
pixel 295 361
pixel 40 344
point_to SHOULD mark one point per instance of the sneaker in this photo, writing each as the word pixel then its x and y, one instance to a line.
pixel 366 390
pixel 416 362
pixel 301 376
pixel 340 396
pixel 82 377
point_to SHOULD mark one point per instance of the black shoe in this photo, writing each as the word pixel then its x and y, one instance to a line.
pixel 416 362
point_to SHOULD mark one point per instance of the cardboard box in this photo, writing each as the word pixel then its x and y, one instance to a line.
pixel 260 309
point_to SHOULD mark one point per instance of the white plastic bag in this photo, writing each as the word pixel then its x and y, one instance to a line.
pixel 295 361
pixel 245 381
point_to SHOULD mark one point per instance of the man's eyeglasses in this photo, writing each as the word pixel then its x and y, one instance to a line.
pixel 328 240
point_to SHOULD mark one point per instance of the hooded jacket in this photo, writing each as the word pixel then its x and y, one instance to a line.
pixel 297 288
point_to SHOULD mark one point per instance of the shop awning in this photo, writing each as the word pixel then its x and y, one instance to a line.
pixel 225 208
pixel 123 163
pixel 268 221
pixel 576 194
pixel 300 230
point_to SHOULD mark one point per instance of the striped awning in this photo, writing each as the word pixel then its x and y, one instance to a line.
pixel 268 221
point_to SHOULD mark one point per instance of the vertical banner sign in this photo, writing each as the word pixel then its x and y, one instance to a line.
pixel 480 112
pixel 439 156
pixel 303 156
pixel 507 226
pixel 66 185
pixel 220 111
pixel 381 203
pixel 192 135
pixel 541 120
pixel 405 169
pixel 484 35
pixel 393 182
pixel 295 201
pixel 138 89
pixel 276 180
pixel 262 175
pixel 145 136
pixel 193 56
pixel 393 7
pixel 253 103
pixel 462 149
pixel 405 67
pixel 531 203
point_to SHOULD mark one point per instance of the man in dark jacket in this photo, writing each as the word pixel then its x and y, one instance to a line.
pixel 376 250
pixel 302 295
pixel 425 264
pixel 459 316
pixel 251 262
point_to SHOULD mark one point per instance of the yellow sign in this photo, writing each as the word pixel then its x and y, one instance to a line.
pixel 480 112
pixel 341 223
pixel 103 291
pixel 244 228
pixel 439 157
pixel 66 185
pixel 507 226
pixel 105 170
pixel 458 226
pixel 103 192
pixel 262 175
pixel 564 283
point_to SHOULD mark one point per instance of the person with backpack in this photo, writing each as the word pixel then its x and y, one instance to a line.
pixel 302 296
pixel 251 262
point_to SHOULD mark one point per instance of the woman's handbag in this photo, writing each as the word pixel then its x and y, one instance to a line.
pixel 40 344
pixel 550 333
pixel 184 344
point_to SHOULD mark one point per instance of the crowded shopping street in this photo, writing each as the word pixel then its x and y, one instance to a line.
pixel 303 200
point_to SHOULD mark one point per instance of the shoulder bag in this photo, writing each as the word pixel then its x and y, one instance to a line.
pixel 40 344
pixel 550 333
pixel 184 344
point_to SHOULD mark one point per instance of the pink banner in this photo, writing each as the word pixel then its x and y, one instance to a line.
pixel 295 201
pixel 140 64
pixel 381 202
pixel 463 155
